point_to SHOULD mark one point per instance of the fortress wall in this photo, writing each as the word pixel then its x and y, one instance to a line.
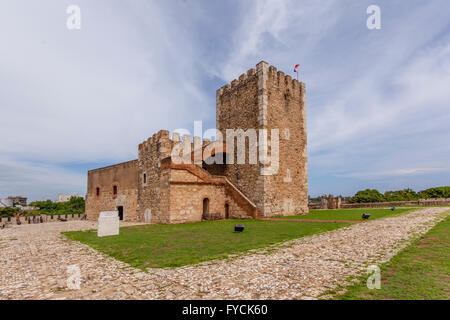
pixel 122 175
pixel 154 189
pixel 286 192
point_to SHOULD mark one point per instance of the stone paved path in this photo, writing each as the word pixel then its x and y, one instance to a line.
pixel 34 261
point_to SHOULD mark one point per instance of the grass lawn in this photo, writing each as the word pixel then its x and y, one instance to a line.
pixel 420 271
pixel 349 214
pixel 174 245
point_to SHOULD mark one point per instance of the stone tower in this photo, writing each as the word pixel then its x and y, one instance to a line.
pixel 152 181
pixel 273 104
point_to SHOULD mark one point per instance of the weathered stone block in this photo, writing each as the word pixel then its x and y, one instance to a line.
pixel 108 224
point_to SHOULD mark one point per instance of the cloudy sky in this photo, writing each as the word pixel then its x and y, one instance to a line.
pixel 378 101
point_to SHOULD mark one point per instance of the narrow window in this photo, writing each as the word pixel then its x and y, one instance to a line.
pixel 145 178
pixel 205 208
pixel 114 190
pixel 97 191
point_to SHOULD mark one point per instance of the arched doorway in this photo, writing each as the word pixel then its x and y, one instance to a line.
pixel 205 207
pixel 148 215
pixel 227 211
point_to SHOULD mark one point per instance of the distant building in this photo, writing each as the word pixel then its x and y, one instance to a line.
pixel 26 208
pixel 66 197
pixel 18 199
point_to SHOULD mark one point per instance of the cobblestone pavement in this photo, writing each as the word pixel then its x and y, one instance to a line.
pixel 34 261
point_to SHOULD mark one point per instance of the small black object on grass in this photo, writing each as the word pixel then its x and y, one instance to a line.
pixel 392 208
pixel 365 216
pixel 239 227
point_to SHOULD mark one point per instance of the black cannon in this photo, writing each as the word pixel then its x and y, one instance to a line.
pixel 239 227
pixel 365 216
pixel 392 208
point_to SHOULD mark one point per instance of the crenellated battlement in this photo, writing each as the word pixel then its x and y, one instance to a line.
pixel 162 144
pixel 284 81
pixel 236 83
pixel 278 78
pixel 160 136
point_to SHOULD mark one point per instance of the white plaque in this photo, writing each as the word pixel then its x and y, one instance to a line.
pixel 108 224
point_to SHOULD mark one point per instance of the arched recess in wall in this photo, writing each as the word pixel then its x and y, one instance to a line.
pixel 148 215
pixel 205 207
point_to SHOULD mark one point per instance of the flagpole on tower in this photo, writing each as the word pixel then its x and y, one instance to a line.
pixel 296 70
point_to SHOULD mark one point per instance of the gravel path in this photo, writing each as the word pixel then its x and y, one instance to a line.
pixel 34 261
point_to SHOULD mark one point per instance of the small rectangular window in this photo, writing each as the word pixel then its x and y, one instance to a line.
pixel 145 178
pixel 115 190
pixel 97 191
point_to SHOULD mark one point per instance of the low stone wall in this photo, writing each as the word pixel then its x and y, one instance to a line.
pixel 314 206
pixel 421 202
pixel 45 218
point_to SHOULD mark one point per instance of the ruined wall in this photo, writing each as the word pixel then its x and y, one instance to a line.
pixel 267 99
pixel 122 175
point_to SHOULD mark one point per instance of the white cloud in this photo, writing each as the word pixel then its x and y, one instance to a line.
pixel 38 181
pixel 279 32
pixel 375 99
pixel 94 94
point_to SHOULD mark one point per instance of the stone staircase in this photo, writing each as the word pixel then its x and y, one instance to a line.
pixel 231 190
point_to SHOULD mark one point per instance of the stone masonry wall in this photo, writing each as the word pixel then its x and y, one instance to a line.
pixel 122 175
pixel 237 108
pixel 155 189
pixel 186 201
pixel 187 193
pixel 286 192
pixel 267 99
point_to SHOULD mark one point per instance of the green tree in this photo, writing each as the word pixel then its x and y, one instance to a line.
pixel 368 195
pixel 74 205
pixel 401 195
pixel 434 193
pixel 8 212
